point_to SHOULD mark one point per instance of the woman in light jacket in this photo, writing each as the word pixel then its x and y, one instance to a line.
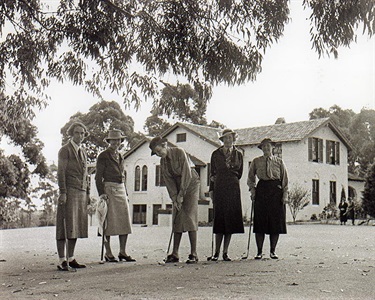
pixel 182 183
pixel 110 183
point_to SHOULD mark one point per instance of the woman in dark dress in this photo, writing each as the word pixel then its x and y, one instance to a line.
pixel 270 195
pixel 226 171
pixel 343 206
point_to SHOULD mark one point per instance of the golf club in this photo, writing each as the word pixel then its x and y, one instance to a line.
pixel 212 236
pixel 102 252
pixel 170 238
pixel 251 221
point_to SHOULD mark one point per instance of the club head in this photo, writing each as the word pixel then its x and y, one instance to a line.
pixel 244 257
pixel 101 262
pixel 209 258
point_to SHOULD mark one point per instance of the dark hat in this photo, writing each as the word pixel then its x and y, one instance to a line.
pixel 226 132
pixel 265 141
pixel 155 142
pixel 114 134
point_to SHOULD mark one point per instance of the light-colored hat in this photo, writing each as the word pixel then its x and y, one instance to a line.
pixel 114 134
pixel 155 142
pixel 226 132
pixel 265 141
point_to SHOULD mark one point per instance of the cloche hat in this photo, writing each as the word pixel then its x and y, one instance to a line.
pixel 226 132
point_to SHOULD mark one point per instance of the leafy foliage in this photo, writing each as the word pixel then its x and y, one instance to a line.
pixel 368 197
pixel 100 44
pixel 101 117
pixel 297 200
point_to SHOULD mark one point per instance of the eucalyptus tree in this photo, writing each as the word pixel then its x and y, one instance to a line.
pixel 127 46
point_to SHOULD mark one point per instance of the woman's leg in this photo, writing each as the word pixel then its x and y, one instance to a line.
pixel 259 238
pixel 176 243
pixel 227 238
pixel 273 242
pixel 193 242
pixel 107 245
pixel 122 239
pixel 218 240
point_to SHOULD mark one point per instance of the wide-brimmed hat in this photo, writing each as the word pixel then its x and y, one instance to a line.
pixel 226 132
pixel 114 134
pixel 265 141
pixel 155 142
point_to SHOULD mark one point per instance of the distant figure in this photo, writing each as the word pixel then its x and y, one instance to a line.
pixel 343 206
pixel 182 182
pixel 110 183
pixel 226 172
pixel 72 177
pixel 270 195
pixel 351 211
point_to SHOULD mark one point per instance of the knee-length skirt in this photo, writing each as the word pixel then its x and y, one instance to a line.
pixel 118 215
pixel 269 210
pixel 187 218
pixel 75 214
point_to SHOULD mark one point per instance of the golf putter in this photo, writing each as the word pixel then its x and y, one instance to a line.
pixel 251 221
pixel 212 238
pixel 102 252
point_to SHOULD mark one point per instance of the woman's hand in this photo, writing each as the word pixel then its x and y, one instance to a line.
pixel 62 199
pixel 252 194
pixel 104 197
pixel 178 203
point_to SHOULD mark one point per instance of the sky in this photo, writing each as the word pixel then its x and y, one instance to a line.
pixel 293 81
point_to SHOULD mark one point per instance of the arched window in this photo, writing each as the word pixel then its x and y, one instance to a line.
pixel 137 178
pixel 144 178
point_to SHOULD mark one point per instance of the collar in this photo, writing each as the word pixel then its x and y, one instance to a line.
pixel 75 146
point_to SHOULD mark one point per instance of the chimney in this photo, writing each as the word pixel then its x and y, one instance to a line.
pixel 280 120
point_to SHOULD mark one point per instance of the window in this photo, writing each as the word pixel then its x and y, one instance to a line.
pixel 139 214
pixel 181 137
pixel 315 149
pixel 137 179
pixel 144 178
pixel 333 152
pixel 332 192
pixel 315 192
pixel 159 178
pixel 155 209
pixel 278 150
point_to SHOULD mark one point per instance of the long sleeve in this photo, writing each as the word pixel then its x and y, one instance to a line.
pixel 212 172
pixel 100 166
pixel 61 169
pixel 169 180
pixel 284 178
pixel 251 176
pixel 186 175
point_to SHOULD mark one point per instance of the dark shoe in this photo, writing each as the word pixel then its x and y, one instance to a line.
pixel 171 258
pixel 273 255
pixel 215 257
pixel 110 258
pixel 226 257
pixel 192 259
pixel 74 264
pixel 125 257
pixel 63 266
pixel 258 256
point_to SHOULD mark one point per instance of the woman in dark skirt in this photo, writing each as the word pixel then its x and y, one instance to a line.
pixel 226 171
pixel 270 196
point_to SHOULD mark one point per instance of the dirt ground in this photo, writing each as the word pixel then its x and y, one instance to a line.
pixel 316 262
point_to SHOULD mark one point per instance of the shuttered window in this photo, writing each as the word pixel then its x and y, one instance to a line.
pixel 315 149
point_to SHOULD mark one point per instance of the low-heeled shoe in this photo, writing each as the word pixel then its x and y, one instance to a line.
pixel 258 256
pixel 273 255
pixel 226 257
pixel 110 259
pixel 171 258
pixel 63 266
pixel 192 259
pixel 125 257
pixel 74 264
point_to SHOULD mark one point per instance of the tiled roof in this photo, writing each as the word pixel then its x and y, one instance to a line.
pixel 285 132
